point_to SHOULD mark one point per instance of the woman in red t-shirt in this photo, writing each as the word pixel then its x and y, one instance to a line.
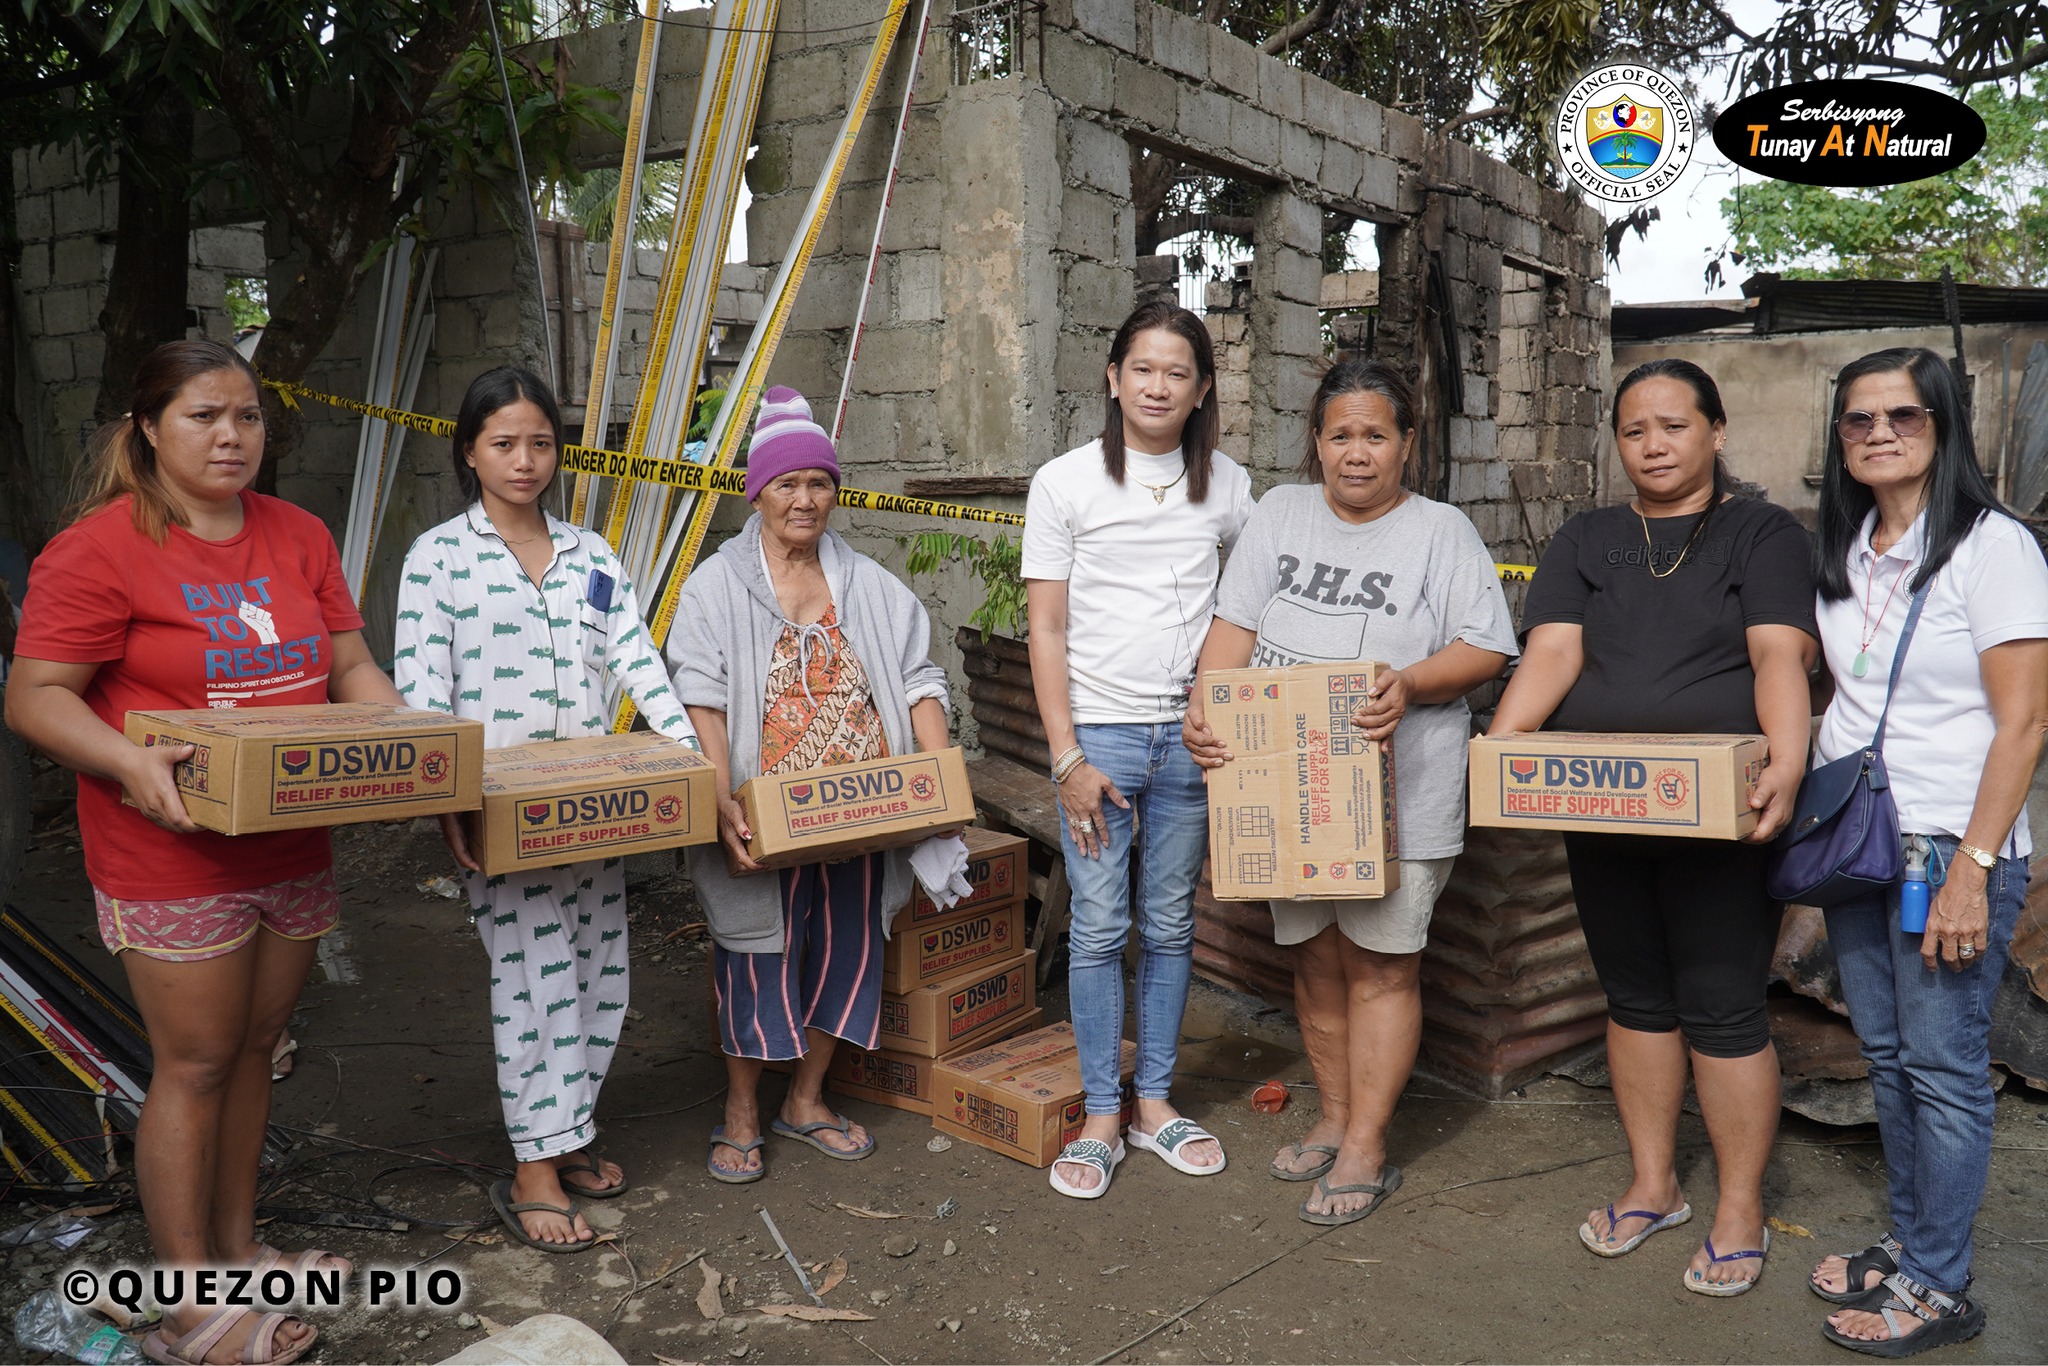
pixel 177 587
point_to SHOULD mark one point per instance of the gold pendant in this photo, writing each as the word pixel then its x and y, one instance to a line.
pixel 1158 495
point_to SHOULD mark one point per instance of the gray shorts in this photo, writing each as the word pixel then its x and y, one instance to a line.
pixel 1398 923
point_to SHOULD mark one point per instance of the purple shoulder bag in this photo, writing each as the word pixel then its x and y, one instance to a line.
pixel 1843 839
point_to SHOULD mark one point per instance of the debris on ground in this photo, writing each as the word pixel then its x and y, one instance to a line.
pixel 899 1245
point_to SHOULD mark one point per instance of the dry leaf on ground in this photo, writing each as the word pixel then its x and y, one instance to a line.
pixel 708 1303
pixel 491 1326
pixel 862 1212
pixel 834 1274
pixel 1780 1226
pixel 813 1314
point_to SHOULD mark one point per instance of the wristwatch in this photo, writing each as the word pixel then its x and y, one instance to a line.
pixel 1984 860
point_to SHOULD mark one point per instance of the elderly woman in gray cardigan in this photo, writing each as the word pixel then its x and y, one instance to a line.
pixel 793 651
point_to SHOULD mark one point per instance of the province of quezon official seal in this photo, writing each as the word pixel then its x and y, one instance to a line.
pixel 1623 132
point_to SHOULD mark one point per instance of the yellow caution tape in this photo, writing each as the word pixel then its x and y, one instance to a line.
pixel 682 474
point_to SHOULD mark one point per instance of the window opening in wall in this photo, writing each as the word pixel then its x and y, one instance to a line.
pixel 1350 303
pixel 1203 220
pixel 987 40
pixel 248 303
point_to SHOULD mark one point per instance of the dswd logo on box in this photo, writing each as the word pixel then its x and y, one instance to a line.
pixel 295 761
pixel 801 793
pixel 354 759
pixel 590 809
pixel 1524 770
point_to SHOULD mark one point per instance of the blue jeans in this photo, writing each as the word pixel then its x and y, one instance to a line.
pixel 1927 1036
pixel 1152 769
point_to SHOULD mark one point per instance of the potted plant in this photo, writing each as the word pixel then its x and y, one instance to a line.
pixel 992 649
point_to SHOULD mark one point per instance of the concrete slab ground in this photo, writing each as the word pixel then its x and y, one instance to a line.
pixel 1475 1259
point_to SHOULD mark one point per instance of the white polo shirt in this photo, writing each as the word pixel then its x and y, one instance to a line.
pixel 1993 589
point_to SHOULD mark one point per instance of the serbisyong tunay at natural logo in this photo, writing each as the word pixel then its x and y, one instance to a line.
pixel 1849 133
pixel 1623 132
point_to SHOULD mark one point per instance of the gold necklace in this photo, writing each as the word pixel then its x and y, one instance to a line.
pixel 1159 490
pixel 1650 546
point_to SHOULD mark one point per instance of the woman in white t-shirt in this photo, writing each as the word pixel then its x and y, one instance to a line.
pixel 1121 542
pixel 1903 505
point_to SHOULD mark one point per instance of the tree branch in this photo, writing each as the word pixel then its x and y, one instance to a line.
pixel 1472 116
pixel 1956 75
pixel 1302 29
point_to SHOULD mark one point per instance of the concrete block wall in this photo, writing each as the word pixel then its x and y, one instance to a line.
pixel 66 222
pixel 1161 78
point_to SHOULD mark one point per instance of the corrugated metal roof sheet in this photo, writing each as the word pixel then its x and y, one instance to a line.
pixel 1777 305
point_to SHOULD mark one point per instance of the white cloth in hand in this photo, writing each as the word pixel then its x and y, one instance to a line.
pixel 941 867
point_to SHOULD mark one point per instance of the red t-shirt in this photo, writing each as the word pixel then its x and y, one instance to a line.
pixel 245 622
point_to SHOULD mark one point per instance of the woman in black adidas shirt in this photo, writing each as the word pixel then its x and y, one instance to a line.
pixel 1683 610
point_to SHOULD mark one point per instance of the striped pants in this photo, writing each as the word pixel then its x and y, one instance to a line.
pixel 557 941
pixel 828 976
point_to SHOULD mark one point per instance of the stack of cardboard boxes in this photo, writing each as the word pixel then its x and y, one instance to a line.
pixel 952 979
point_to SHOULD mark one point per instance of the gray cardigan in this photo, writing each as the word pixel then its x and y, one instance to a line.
pixel 719 651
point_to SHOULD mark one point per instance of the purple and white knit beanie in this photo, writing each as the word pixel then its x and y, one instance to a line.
pixel 786 439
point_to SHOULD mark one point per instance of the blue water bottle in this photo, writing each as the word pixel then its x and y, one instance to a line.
pixel 1913 892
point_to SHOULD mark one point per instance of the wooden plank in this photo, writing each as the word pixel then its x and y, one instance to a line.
pixel 1017 797
pixel 952 486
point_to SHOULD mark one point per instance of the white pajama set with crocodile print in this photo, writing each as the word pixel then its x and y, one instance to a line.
pixel 476 637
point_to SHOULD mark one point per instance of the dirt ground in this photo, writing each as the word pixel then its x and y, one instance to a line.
pixel 1475 1259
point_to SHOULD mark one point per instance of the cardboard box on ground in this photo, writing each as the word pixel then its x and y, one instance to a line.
pixel 1625 784
pixel 1022 1097
pixel 1305 807
pixel 927 943
pixel 824 814
pixel 599 796
pixel 287 768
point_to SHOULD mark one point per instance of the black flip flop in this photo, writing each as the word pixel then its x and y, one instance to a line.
pixel 1389 1182
pixel 1321 1169
pixel 508 1213
pixel 592 1192
pixel 1881 1256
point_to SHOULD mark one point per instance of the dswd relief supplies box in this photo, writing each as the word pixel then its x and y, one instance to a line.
pixel 599 796
pixel 949 945
pixel 833 813
pixel 996 867
pixel 1022 1097
pixel 1695 785
pixel 902 1081
pixel 972 1007
pixel 285 768
pixel 1305 808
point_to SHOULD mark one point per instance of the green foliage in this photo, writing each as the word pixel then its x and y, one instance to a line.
pixel 999 564
pixel 1987 220
pixel 592 204
pixel 466 122
pixel 705 413
pixel 248 302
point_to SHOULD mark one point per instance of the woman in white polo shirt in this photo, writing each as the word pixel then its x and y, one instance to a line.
pixel 1903 505
pixel 1121 541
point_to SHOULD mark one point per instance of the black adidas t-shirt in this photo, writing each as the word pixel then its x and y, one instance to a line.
pixel 1670 654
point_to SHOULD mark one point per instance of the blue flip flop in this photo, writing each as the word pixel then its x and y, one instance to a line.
pixel 1699 1285
pixel 730 1177
pixel 1658 1223
pixel 805 1133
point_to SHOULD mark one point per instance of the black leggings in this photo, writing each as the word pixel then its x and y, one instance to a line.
pixel 1681 933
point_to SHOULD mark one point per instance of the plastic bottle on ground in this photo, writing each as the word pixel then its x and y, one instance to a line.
pixel 50 1323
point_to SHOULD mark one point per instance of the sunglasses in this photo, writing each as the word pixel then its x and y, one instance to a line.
pixel 1908 419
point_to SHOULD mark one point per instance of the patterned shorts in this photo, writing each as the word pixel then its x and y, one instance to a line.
pixel 204 927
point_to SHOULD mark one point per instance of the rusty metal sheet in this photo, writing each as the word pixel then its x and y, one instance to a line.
pixel 1507 986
